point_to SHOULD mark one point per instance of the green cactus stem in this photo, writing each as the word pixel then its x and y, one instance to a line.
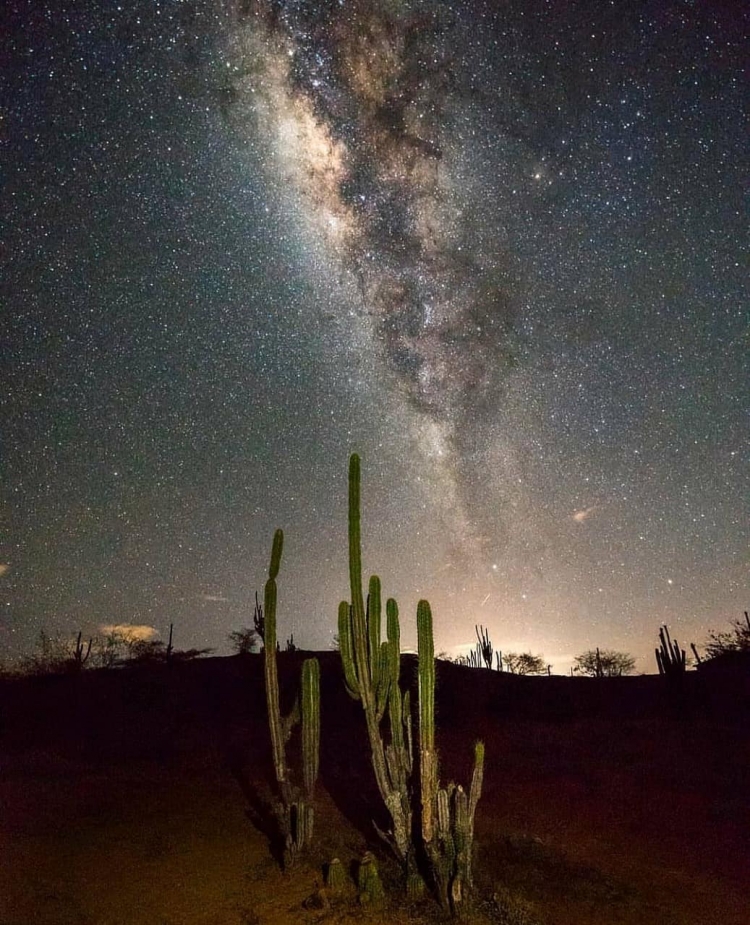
pixel 371 672
pixel 310 723
pixel 293 809
pixel 447 813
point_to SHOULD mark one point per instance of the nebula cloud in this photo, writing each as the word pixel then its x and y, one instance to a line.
pixel 367 122
pixel 364 108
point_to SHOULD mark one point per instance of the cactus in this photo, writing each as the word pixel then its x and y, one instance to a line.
pixel 335 876
pixel 310 724
pixel 670 657
pixel 371 673
pixel 447 814
pixel 81 652
pixel 370 888
pixel 485 644
pixel 293 809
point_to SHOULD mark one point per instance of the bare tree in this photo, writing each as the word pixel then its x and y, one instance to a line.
pixel 604 663
pixel 524 663
pixel 737 639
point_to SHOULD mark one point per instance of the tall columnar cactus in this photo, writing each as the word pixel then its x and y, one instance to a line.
pixel 294 808
pixel 447 813
pixel 670 658
pixel 371 672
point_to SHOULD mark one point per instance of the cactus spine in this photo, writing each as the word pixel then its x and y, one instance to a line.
pixel 371 672
pixel 447 812
pixel 294 809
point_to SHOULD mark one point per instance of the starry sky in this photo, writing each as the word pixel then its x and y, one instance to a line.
pixel 498 249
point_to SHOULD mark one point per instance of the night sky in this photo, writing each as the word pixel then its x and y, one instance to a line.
pixel 498 249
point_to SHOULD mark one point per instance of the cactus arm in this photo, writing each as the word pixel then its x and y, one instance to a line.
pixel 426 650
pixel 373 629
pixel 355 546
pixel 310 723
pixel 426 688
pixel 346 648
pixel 381 697
pixel 270 666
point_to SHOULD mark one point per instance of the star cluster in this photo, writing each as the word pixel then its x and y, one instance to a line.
pixel 499 250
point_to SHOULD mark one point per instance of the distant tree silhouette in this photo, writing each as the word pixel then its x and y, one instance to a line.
pixel 604 663
pixel 51 655
pixel 245 641
pixel 250 638
pixel 737 639
pixel 524 663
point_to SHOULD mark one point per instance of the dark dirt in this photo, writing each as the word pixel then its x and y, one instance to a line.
pixel 139 795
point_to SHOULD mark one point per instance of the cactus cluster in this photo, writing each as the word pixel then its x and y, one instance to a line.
pixel 447 813
pixel 294 808
pixel 371 671
pixel 670 658
pixel 485 644
pixel 431 826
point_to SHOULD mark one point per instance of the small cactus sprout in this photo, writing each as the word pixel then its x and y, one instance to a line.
pixel 335 876
pixel 371 892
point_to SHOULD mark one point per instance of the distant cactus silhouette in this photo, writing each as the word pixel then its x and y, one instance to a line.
pixel 485 644
pixel 670 657
pixel 79 655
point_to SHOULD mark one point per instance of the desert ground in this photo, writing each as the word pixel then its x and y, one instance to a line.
pixel 140 795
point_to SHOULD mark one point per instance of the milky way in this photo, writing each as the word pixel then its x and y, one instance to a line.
pixel 498 249
pixel 369 117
